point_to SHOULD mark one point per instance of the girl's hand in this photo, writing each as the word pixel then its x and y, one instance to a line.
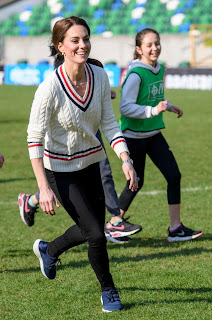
pixel 47 201
pixel 1 160
pixel 130 175
pixel 113 94
pixel 177 111
pixel 162 106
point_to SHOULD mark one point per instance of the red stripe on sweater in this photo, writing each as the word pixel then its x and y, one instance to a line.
pixel 89 84
pixel 77 157
pixel 118 142
pixel 35 145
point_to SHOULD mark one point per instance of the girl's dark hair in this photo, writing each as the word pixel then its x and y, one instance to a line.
pixel 95 62
pixel 58 35
pixel 139 38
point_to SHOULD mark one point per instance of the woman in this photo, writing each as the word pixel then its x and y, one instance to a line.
pixel 67 110
pixel 28 204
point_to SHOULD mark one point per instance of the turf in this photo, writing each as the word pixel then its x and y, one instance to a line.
pixel 157 280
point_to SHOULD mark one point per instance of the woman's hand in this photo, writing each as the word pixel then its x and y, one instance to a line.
pixel 47 201
pixel 176 110
pixel 47 196
pixel 130 175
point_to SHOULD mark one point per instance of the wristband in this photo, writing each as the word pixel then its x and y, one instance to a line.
pixel 127 161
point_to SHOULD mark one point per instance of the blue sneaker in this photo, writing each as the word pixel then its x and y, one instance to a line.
pixel 110 300
pixel 47 263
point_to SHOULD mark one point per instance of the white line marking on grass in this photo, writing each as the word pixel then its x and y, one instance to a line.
pixel 148 193
pixel 156 192
pixel 9 202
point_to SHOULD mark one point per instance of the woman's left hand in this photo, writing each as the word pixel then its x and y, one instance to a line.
pixel 176 110
pixel 131 176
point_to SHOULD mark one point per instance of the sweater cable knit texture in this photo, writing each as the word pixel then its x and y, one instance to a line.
pixel 68 122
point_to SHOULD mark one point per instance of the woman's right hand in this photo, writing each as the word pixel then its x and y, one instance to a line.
pixel 47 201
pixel 162 106
pixel 47 196
pixel 130 175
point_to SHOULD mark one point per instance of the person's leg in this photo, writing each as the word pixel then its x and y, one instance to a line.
pixel 83 198
pixel 137 149
pixel 117 228
pixel 36 197
pixel 111 198
pixel 163 158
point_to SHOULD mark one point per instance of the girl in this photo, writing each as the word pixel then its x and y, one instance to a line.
pixel 141 108
pixel 67 110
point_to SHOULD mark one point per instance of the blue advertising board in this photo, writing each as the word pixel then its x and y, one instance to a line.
pixel 114 72
pixel 26 74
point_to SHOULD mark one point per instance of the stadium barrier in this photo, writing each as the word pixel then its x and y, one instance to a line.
pixel 175 78
pixel 1 74
pixel 27 74
pixel 188 78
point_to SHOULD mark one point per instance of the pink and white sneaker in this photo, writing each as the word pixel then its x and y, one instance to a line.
pixel 122 229
pixel 26 211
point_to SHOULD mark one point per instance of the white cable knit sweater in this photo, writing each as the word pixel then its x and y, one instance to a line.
pixel 68 123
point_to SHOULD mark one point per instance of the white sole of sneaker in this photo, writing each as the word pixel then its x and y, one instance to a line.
pixel 115 240
pixel 123 234
pixel 37 253
pixel 104 310
pixel 177 239
pixel 21 208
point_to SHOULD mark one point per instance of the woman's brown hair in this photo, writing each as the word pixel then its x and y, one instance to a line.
pixel 58 34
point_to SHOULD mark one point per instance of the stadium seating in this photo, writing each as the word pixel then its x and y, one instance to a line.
pixel 116 16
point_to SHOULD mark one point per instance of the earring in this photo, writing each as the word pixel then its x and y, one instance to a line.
pixel 63 54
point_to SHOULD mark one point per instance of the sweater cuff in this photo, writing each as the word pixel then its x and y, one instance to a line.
pixel 169 106
pixel 35 151
pixel 119 145
pixel 154 111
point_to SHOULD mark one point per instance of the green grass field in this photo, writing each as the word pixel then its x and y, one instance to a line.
pixel 157 280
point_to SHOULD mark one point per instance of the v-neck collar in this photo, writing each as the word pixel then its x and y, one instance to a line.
pixel 81 102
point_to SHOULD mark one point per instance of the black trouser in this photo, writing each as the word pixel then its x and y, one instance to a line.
pixel 82 196
pixel 159 152
pixel 111 197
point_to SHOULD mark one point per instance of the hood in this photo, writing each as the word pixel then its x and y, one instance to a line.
pixel 138 63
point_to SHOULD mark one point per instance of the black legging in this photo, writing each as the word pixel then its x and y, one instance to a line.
pixel 82 196
pixel 159 152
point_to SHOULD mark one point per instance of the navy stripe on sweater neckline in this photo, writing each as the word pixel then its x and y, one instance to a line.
pixel 81 102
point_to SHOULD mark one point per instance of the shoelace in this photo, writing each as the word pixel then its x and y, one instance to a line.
pixel 32 211
pixel 113 295
pixel 56 262
pixel 127 218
